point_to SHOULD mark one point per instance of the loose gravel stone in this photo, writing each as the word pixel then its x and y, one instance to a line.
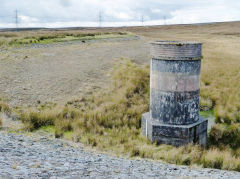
pixel 24 156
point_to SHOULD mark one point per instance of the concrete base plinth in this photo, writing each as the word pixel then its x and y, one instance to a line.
pixel 176 135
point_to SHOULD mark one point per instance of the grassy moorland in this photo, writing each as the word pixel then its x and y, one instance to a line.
pixel 110 120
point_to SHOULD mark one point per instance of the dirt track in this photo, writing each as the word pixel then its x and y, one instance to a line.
pixel 58 72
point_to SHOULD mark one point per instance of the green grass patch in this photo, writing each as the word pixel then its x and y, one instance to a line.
pixel 66 37
pixel 69 135
pixel 48 129
pixel 207 114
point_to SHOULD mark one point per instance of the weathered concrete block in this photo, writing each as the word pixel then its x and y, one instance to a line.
pixel 176 135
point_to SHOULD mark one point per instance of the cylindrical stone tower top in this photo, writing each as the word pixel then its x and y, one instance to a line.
pixel 176 50
pixel 175 82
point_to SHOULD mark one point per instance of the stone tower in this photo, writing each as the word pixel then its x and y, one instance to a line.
pixel 174 94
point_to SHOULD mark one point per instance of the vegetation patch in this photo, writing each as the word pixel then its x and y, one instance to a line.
pixel 222 135
pixel 15 39
pixel 207 114
pixel 110 121
pixel 4 107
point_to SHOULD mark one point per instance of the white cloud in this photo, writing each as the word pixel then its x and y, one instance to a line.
pixel 62 13
pixel 205 14
pixel 155 10
pixel 27 19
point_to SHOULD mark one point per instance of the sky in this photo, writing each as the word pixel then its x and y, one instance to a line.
pixel 77 13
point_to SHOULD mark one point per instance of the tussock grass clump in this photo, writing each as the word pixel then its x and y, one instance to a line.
pixel 59 116
pixel 2 43
pixel 225 135
pixel 214 158
pixel 35 119
pixel 5 108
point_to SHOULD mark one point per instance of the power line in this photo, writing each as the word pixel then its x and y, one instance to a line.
pixel 165 23
pixel 16 19
pixel 100 19
pixel 142 20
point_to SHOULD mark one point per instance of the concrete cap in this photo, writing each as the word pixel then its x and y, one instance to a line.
pixel 178 43
pixel 176 50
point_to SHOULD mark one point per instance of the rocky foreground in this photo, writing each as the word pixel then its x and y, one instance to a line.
pixel 38 156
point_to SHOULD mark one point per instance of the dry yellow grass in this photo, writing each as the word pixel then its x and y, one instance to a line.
pixel 110 121
pixel 4 107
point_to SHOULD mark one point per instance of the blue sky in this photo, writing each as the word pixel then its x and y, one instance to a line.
pixel 65 13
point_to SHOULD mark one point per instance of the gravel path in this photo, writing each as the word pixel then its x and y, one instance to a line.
pixel 38 156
